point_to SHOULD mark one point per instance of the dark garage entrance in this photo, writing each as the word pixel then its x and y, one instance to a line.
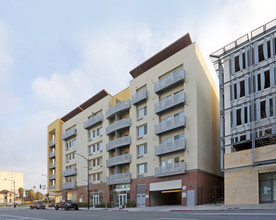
pixel 166 197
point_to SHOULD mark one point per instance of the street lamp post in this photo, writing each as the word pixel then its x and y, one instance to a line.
pixel 47 189
pixel 14 191
pixel 88 193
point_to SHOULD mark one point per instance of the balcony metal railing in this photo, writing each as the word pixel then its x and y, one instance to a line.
pixel 121 106
pixel 119 142
pixel 170 80
pixel 168 125
pixel 140 96
pixel 122 159
pixel 69 185
pixel 52 154
pixel 68 134
pixel 52 165
pixel 171 169
pixel 52 143
pixel 52 187
pixel 52 176
pixel 98 118
pixel 69 172
pixel 123 123
pixel 170 147
pixel 120 178
pixel 169 102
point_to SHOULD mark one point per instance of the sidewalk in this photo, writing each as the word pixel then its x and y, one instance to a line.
pixel 212 207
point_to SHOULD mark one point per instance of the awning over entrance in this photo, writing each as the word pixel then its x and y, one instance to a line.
pixel 166 185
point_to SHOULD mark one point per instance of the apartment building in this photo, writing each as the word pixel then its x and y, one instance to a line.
pixel 155 142
pixel 246 69
pixel 10 182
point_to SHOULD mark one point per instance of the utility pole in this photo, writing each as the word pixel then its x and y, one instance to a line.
pixel 88 192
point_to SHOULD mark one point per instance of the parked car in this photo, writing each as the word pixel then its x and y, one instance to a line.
pixel 37 206
pixel 66 204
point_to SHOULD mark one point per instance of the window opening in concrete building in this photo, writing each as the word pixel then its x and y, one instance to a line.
pixel 261 52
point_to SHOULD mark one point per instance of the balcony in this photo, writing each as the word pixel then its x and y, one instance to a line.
pixel 118 160
pixel 52 143
pixel 170 147
pixel 169 102
pixel 171 169
pixel 94 120
pixel 69 185
pixel 52 176
pixel 140 96
pixel 68 134
pixel 169 125
pixel 119 107
pixel 123 123
pixel 119 142
pixel 120 178
pixel 52 165
pixel 169 80
pixel 69 172
pixel 52 187
pixel 52 154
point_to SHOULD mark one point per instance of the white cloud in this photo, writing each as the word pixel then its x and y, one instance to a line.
pixel 106 62
pixel 24 149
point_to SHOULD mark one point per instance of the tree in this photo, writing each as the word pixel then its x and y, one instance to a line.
pixel 39 195
pixel 30 195
pixel 21 192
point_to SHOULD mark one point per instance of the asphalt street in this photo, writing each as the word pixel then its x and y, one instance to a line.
pixel 50 214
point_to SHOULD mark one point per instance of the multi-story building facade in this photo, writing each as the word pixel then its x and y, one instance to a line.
pixel 246 70
pixel 10 182
pixel 155 143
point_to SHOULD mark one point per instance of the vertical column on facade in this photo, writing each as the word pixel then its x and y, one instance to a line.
pixel 116 149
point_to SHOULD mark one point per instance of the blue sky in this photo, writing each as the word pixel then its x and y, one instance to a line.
pixel 54 55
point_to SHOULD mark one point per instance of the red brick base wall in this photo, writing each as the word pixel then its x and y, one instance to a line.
pixel 190 181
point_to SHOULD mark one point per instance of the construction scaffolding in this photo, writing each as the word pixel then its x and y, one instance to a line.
pixel 247 84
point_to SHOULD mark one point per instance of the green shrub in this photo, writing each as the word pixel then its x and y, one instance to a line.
pixel 82 204
pixel 103 205
pixel 131 204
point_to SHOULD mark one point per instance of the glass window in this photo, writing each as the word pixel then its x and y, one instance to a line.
pixel 92 134
pixel 99 161
pixel 100 146
pixel 142 130
pixel 99 131
pixel 142 112
pixel 74 142
pixel 142 168
pixel 142 149
pixel 68 145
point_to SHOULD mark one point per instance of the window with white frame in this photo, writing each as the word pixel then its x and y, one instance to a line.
pixel 142 149
pixel 143 130
pixel 142 112
pixel 142 168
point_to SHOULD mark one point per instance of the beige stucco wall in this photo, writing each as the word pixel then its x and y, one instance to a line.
pixel 83 142
pixel 9 185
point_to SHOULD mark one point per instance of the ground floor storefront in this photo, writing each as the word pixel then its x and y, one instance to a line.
pixel 252 185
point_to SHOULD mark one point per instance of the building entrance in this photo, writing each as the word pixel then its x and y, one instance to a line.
pixel 267 184
pixel 96 200
pixel 122 200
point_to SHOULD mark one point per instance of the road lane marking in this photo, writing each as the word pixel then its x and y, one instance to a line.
pixel 178 218
pixel 21 217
